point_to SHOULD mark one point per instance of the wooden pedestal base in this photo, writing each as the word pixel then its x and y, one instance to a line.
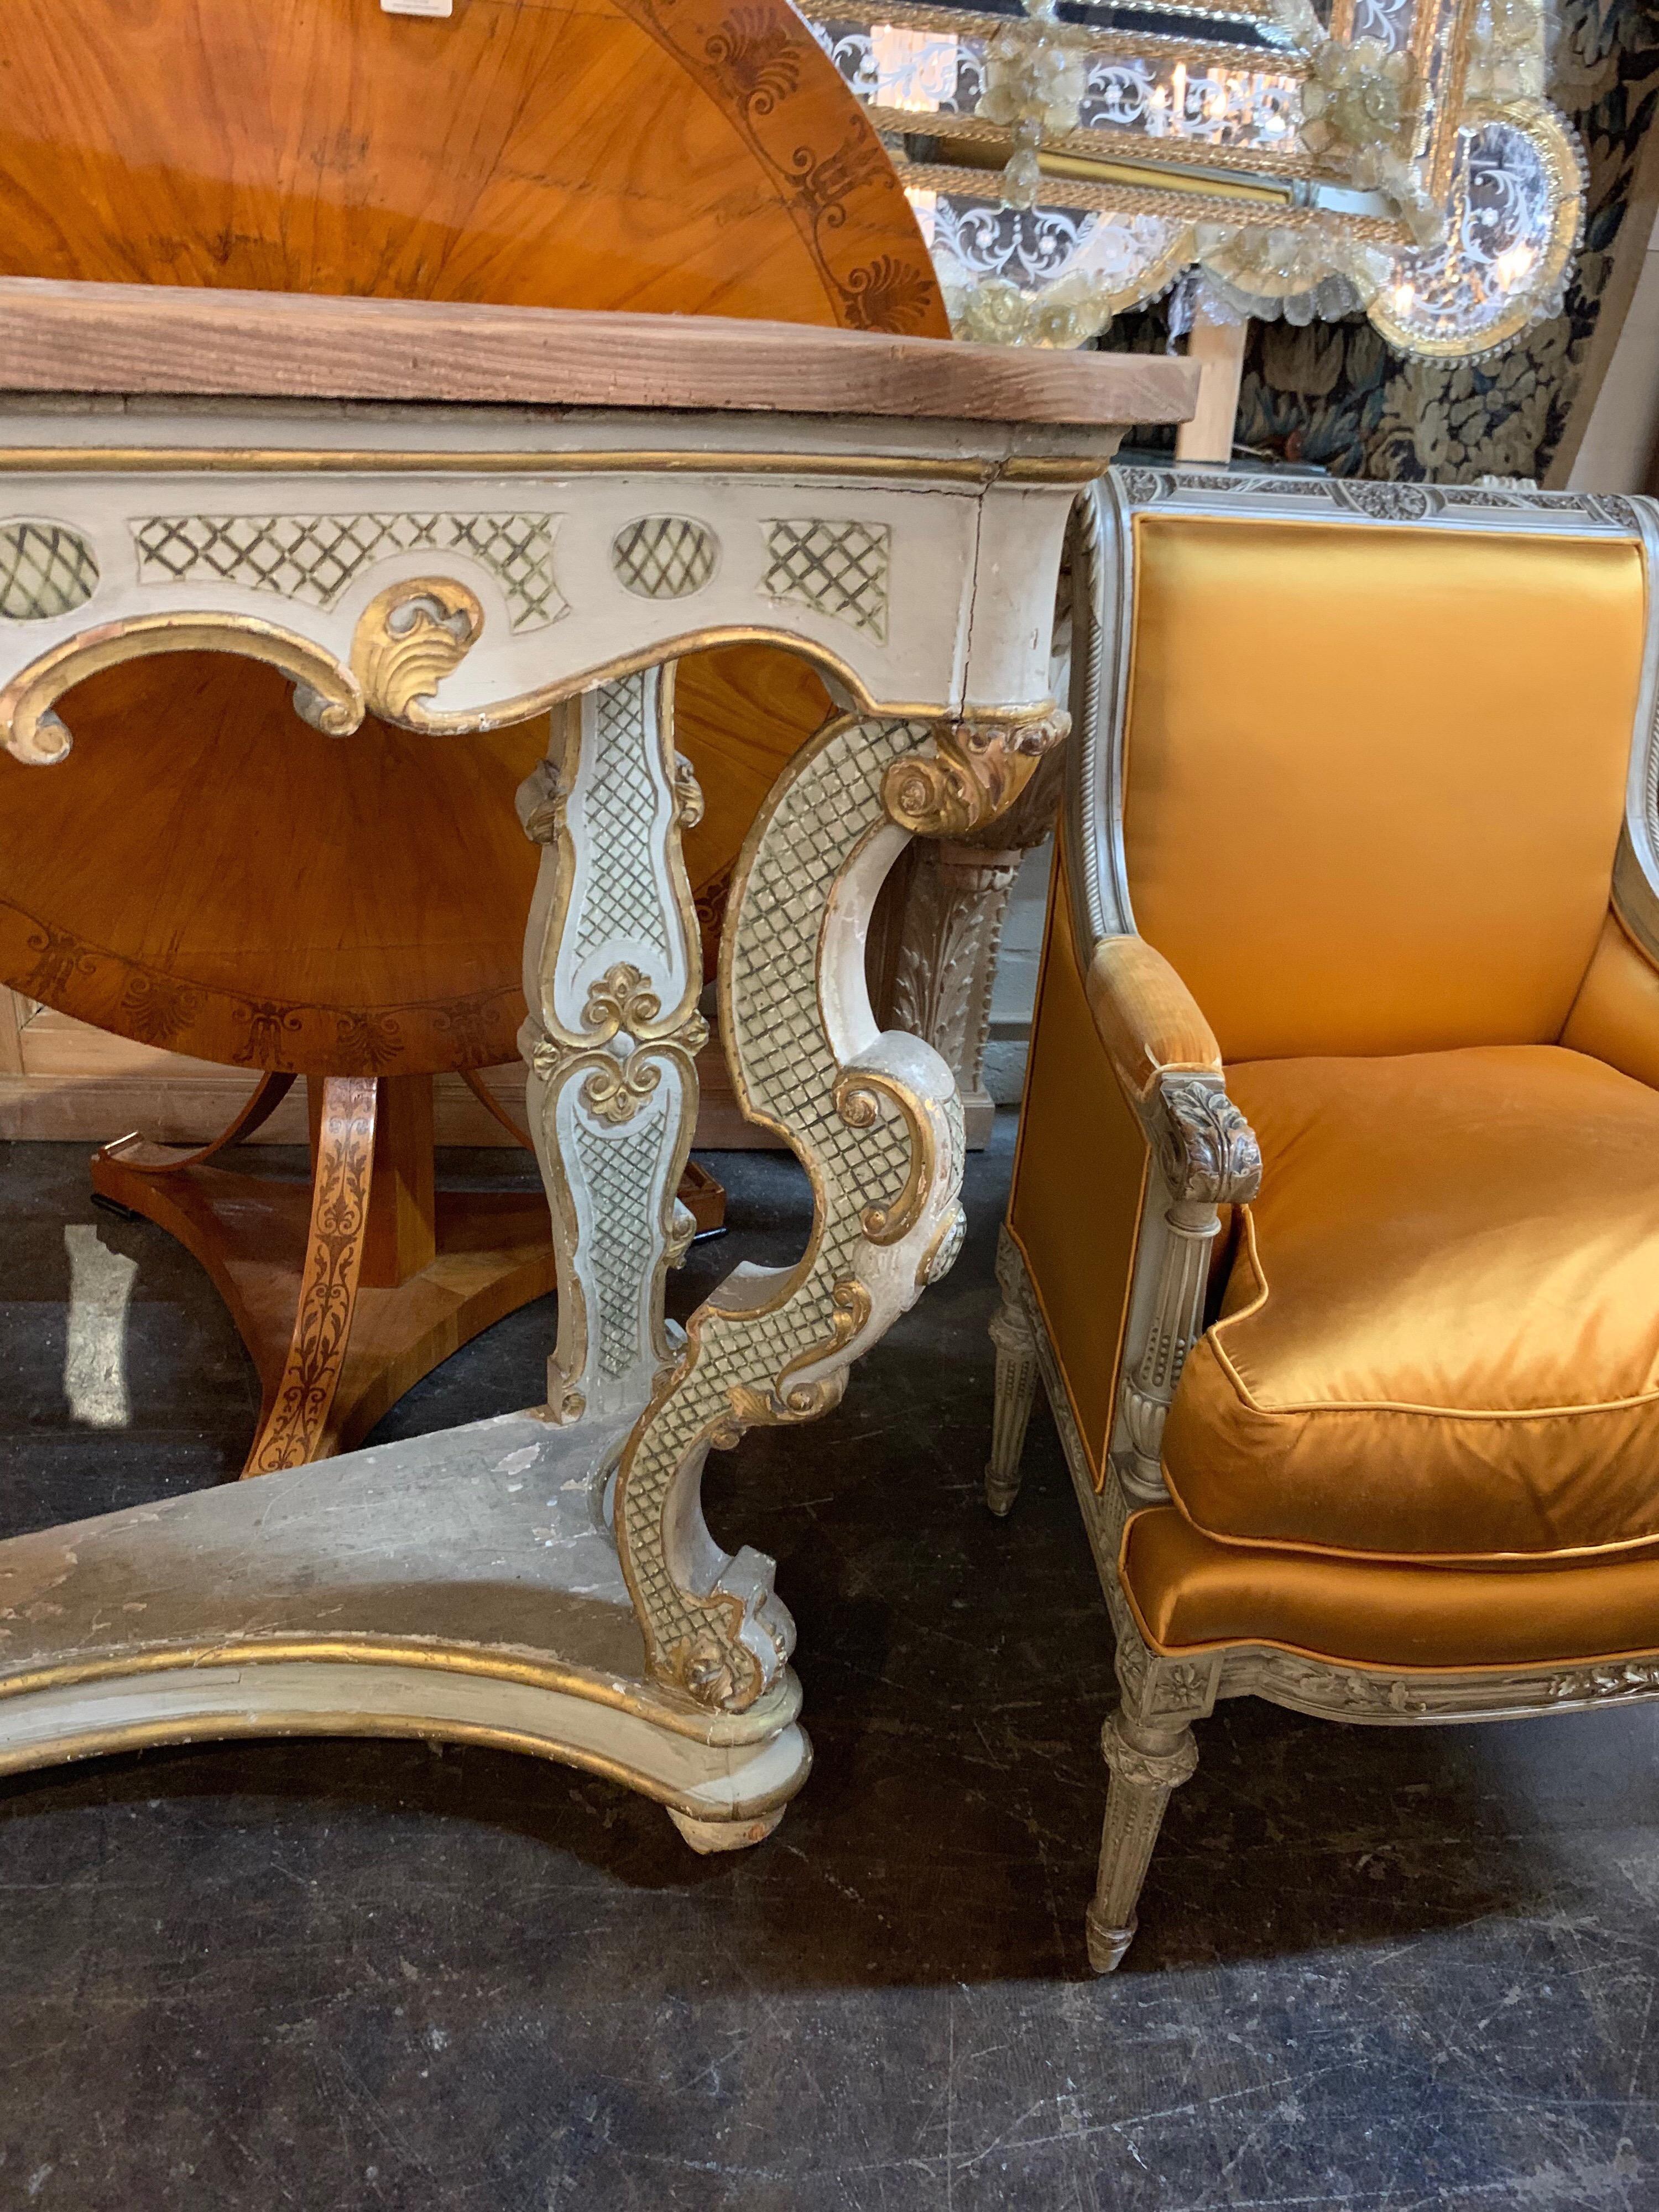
pixel 494 1255
pixel 461 1587
pixel 348 1289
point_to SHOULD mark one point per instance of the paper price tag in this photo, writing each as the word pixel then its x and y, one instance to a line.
pixel 417 7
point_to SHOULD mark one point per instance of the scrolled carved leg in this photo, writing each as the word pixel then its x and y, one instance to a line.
pixel 1015 1339
pixel 612 972
pixel 876 1119
pixel 1146 1762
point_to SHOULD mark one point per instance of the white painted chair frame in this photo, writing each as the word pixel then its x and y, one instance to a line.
pixel 1204 1156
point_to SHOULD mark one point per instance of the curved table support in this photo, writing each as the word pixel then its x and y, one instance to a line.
pixel 612 974
pixel 875 1118
pixel 878 1124
pixel 546 1580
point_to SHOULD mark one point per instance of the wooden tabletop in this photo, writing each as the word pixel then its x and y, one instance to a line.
pixel 177 340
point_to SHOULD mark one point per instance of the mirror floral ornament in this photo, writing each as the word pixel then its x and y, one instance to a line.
pixel 1296 158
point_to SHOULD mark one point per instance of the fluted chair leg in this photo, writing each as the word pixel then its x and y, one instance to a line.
pixel 1017 1374
pixel 1146 1763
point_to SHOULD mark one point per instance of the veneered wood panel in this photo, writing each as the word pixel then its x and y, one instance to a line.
pixel 206 874
pixel 666 155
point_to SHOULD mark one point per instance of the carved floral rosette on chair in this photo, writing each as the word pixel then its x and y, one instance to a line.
pixel 546 1580
pixel 1347 1306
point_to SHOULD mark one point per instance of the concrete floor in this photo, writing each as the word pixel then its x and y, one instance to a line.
pixel 1375 1969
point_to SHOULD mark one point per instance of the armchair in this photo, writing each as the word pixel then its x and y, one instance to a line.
pixel 1334 1228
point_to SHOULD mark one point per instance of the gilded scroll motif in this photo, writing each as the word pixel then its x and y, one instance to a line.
pixel 978 768
pixel 625 1037
pixel 325 695
pixel 408 639
pixel 878 1123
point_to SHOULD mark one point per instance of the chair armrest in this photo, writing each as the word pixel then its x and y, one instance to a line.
pixel 1148 1020
pixel 1165 1055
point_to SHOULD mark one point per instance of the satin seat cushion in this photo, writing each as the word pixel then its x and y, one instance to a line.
pixel 1439 1341
pixel 1189 1592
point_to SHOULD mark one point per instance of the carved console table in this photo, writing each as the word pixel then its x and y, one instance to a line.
pixel 580 499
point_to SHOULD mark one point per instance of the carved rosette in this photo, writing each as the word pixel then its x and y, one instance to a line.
pixel 876 1122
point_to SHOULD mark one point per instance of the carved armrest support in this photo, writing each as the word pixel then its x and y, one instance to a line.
pixel 1207 1151
pixel 1165 1055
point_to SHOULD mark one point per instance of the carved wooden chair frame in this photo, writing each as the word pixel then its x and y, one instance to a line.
pixel 1203 1156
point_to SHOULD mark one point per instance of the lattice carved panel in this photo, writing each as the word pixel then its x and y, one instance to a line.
pixel 881 1134
pixel 315 557
pixel 838 569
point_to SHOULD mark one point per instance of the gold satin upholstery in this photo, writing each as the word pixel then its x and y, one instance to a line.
pixel 1616 1017
pixel 1374 778
pixel 1441 1334
pixel 1078 1174
pixel 1374 781
pixel 1147 1019
pixel 1188 1591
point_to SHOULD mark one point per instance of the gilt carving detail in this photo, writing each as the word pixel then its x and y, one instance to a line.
pixel 976 771
pixel 1208 1151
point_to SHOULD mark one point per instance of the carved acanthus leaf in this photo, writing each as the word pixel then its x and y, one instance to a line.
pixel 408 639
pixel 978 770
pixel 1207 1149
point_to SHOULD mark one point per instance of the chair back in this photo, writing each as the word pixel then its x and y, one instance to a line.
pixel 1365 751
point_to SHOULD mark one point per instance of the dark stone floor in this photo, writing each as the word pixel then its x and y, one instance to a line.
pixel 1376 1969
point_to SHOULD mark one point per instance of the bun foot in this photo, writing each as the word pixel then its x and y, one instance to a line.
pixel 706 1836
